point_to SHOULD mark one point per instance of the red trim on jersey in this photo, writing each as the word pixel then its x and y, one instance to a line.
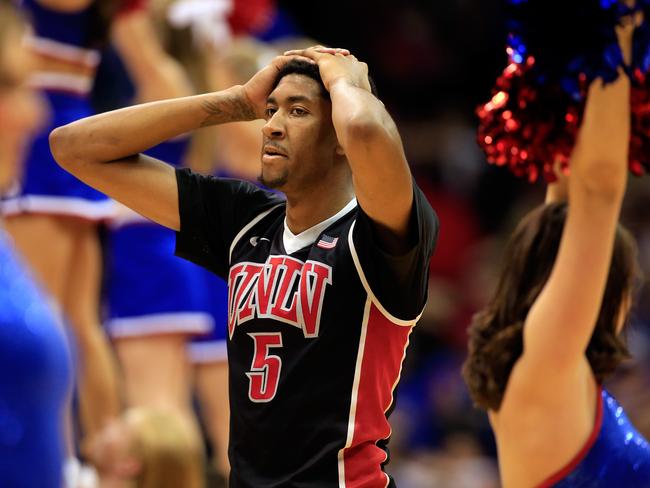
pixel 577 459
pixel 385 344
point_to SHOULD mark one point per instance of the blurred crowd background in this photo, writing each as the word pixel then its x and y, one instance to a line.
pixel 433 63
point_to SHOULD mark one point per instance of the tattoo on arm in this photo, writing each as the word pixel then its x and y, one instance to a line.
pixel 226 108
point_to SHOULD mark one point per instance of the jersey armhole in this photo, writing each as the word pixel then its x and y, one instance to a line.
pixel 373 298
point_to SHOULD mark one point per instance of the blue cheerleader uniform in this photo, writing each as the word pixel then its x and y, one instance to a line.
pixel 615 455
pixel 67 63
pixel 35 379
pixel 211 347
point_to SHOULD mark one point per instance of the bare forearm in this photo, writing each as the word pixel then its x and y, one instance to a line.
pixel 121 133
pixel 354 108
pixel 363 126
pixel 599 160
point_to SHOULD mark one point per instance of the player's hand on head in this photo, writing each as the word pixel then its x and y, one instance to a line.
pixel 336 64
pixel 259 87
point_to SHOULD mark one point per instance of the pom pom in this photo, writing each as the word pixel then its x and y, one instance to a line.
pixel 640 128
pixel 567 39
pixel 525 128
pixel 537 104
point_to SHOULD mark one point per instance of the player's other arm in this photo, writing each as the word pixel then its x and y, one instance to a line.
pixel 381 176
pixel 102 150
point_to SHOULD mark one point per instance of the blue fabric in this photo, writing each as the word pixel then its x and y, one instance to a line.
pixel 216 304
pixel 69 28
pixel 35 377
pixel 42 175
pixel 172 152
pixel 620 456
pixel 145 278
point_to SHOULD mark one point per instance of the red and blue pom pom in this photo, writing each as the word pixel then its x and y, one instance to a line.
pixel 556 49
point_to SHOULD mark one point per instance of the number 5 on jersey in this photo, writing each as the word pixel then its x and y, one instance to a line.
pixel 265 370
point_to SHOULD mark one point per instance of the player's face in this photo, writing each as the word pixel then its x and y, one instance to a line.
pixel 21 109
pixel 299 143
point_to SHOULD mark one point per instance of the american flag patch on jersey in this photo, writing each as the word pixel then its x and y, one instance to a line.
pixel 327 242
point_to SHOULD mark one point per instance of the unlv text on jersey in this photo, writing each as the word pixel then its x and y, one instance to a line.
pixel 283 288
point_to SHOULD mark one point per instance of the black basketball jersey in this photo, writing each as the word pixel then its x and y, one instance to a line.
pixel 317 331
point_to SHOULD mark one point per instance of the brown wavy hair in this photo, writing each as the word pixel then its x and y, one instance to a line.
pixel 496 333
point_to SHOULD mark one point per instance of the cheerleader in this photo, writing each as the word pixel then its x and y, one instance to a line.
pixel 540 350
pixel 35 366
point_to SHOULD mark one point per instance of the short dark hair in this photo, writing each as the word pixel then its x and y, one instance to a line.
pixel 305 68
pixel 496 333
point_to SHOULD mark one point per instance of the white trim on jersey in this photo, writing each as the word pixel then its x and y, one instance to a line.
pixel 293 242
pixel 366 286
pixel 70 206
pixel 162 323
pixel 208 352
pixel 51 80
pixel 248 227
pixel 66 52
pixel 355 392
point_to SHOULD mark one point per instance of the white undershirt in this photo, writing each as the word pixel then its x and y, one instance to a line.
pixel 293 243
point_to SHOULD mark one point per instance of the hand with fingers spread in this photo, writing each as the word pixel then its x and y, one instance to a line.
pixel 335 65
pixel 257 89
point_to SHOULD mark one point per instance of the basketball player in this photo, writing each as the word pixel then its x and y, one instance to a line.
pixel 324 288
pixel 538 354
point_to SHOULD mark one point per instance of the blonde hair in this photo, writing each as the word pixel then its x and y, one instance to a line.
pixel 170 455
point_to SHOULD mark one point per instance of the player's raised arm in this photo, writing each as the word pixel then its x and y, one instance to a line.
pixel 371 142
pixel 142 183
pixel 103 150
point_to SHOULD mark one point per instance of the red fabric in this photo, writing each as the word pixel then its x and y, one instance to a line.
pixel 381 366
pixel 251 16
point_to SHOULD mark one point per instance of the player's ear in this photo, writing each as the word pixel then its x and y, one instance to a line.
pixel 339 150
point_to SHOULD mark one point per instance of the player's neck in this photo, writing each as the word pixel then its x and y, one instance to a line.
pixel 305 211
